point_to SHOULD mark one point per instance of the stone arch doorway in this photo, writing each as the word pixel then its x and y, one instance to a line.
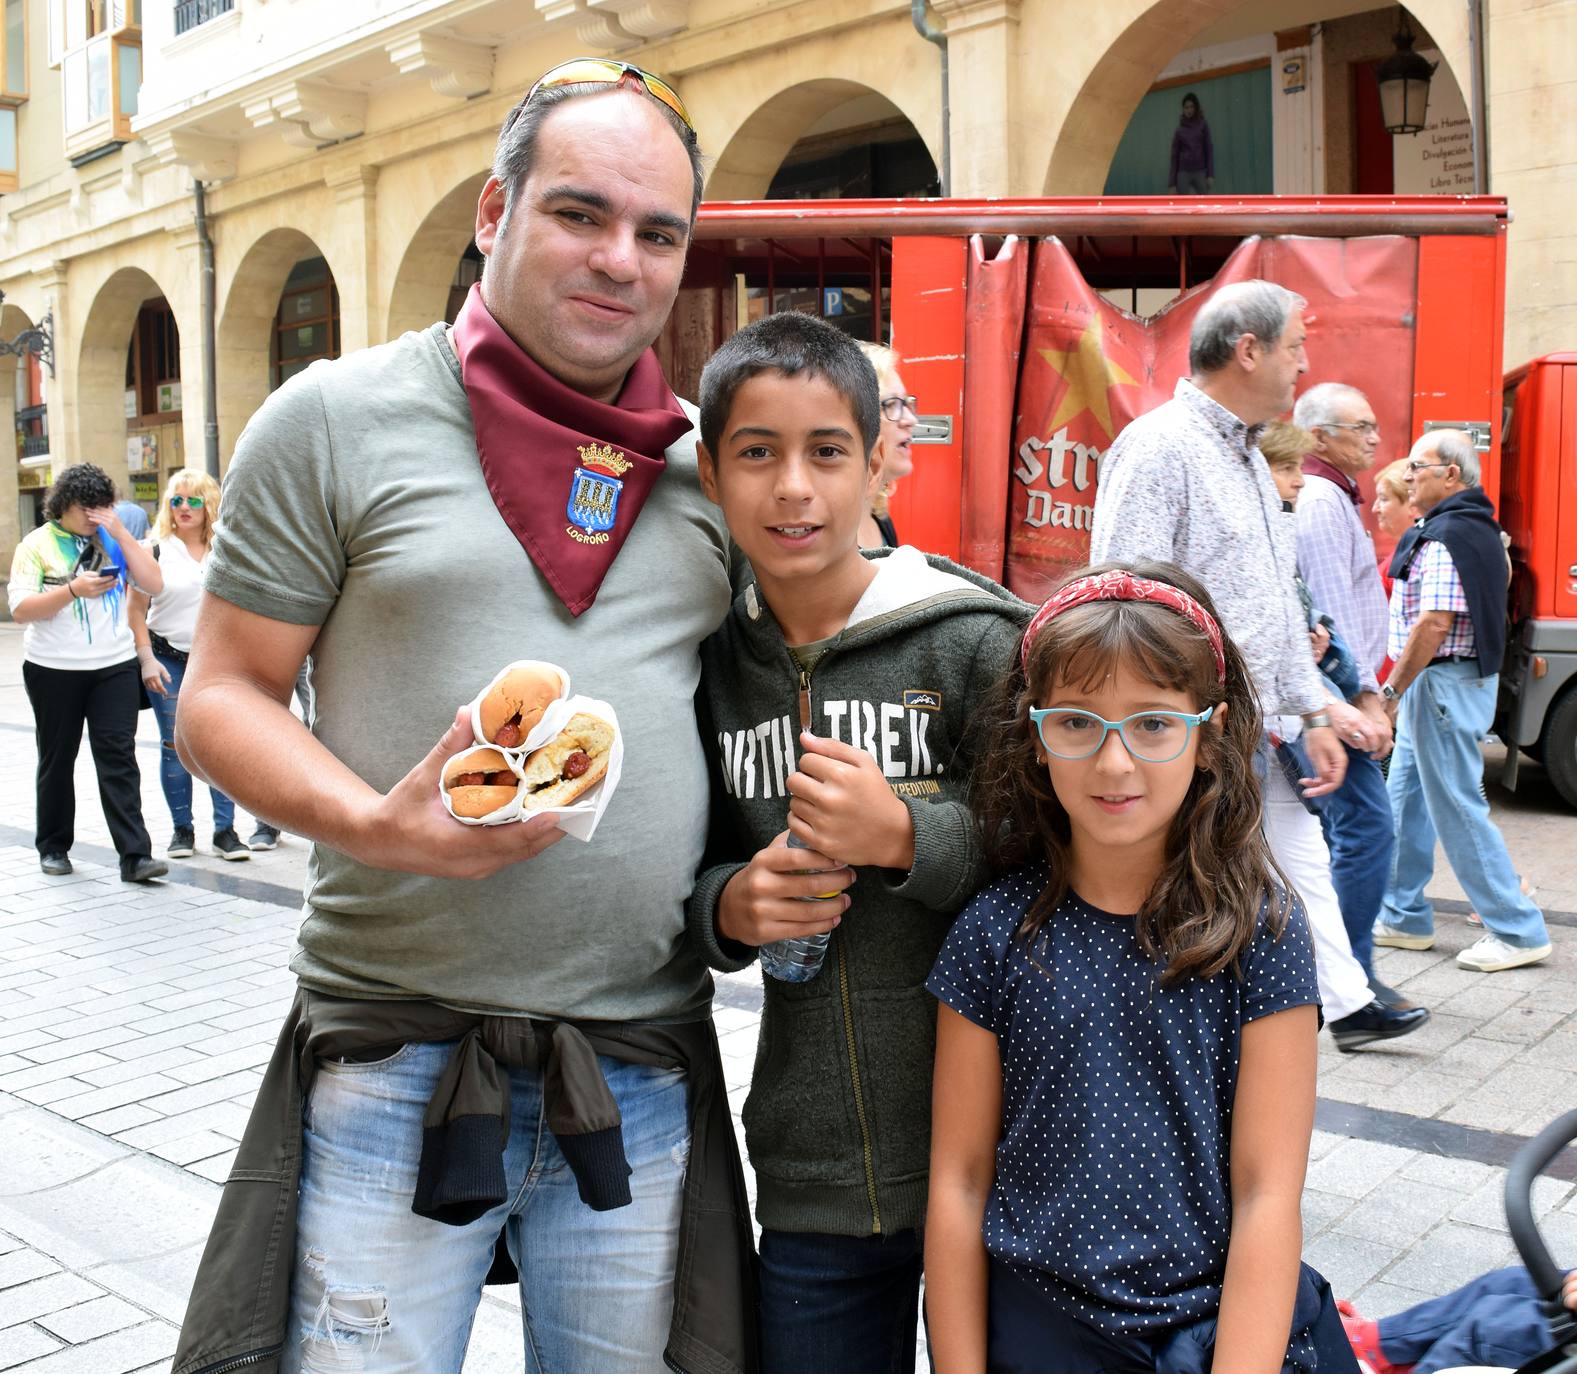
pixel 23 480
pixel 128 384
pixel 825 137
pixel 280 312
pixel 439 262
pixel 1143 36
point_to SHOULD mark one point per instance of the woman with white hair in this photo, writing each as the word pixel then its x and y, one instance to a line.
pixel 162 625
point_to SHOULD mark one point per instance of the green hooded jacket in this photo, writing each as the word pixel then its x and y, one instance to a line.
pixel 838 1121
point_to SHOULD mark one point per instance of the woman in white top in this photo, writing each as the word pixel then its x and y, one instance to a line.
pixel 163 626
pixel 69 582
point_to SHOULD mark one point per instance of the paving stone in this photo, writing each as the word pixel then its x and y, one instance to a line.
pixel 202 1094
pixel 89 1320
pixel 1376 1300
pixel 216 1168
pixel 120 1118
pixel 189 1149
pixel 117 1095
pixel 34 1074
pixel 1347 1262
pixel 67 1046
pixel 124 1070
pixel 1321 1211
pixel 1521 1023
pixel 26 1302
pixel 1461 1175
pixel 1400 1207
pixel 1474 1057
pixel 225 1118
pixel 21 1344
pixel 1355 1168
pixel 1448 1255
pixel 119 1353
pixel 23 1266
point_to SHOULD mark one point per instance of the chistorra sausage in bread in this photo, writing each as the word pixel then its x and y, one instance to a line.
pixel 515 704
pixel 569 764
pixel 478 782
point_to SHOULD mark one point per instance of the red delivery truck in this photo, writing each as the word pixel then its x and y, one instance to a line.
pixel 1032 331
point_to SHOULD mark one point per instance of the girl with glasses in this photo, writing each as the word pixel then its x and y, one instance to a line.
pixel 163 625
pixel 896 447
pixel 1124 1085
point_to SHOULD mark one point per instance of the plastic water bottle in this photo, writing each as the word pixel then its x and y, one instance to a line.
pixel 800 959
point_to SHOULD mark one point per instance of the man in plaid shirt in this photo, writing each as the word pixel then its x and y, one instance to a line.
pixel 1447 634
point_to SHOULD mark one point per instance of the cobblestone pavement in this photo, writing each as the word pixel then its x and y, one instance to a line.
pixel 134 1023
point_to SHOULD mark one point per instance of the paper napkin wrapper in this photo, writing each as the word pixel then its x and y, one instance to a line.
pixel 510 811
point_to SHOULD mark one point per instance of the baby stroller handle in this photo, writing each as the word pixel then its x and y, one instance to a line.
pixel 1525 1167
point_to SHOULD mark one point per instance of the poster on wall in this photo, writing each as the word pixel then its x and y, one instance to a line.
pixel 1438 160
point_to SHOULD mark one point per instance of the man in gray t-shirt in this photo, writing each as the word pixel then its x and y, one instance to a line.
pixel 373 519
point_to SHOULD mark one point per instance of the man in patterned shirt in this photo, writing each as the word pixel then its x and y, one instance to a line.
pixel 1336 559
pixel 1447 635
pixel 1187 483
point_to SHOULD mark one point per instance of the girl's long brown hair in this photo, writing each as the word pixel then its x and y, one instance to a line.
pixel 1201 915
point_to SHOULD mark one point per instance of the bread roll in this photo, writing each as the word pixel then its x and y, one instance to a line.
pixel 513 706
pixel 570 764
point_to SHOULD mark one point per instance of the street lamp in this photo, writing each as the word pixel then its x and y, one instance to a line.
pixel 39 341
pixel 1404 84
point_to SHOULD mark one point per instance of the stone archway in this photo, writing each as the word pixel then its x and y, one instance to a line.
pixel 100 430
pixel 758 146
pixel 420 292
pixel 1135 41
pixel 246 326
pixel 13 320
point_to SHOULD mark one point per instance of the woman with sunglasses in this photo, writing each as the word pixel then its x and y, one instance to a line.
pixel 897 439
pixel 162 625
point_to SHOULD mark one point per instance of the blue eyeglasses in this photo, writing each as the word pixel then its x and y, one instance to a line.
pixel 1149 736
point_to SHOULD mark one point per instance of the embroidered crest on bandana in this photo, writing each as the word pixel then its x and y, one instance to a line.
pixel 594 493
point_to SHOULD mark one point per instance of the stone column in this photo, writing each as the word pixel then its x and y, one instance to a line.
pixel 353 255
pixel 986 138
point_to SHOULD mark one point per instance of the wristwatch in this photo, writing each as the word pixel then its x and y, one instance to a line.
pixel 1389 692
pixel 1320 720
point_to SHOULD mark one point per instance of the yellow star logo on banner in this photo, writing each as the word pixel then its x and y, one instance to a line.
pixel 1090 375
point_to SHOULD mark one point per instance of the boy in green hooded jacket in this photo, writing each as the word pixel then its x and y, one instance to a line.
pixel 835 706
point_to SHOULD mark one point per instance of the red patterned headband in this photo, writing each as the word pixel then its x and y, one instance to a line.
pixel 1117 585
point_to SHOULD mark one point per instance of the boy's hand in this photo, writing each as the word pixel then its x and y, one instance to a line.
pixel 765 900
pixel 843 806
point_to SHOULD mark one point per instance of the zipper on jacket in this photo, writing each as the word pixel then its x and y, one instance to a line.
pixel 859 1096
pixel 241 1361
pixel 848 1017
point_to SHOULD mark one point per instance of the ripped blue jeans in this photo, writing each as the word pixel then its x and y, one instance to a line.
pixel 380 1290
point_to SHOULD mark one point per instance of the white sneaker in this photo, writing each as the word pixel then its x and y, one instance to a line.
pixel 1491 954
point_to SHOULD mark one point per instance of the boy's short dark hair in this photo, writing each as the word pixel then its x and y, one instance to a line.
pixel 792 345
pixel 82 484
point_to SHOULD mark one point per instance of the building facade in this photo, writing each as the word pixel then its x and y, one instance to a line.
pixel 342 147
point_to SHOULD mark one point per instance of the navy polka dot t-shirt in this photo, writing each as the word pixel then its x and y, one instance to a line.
pixel 1112 1194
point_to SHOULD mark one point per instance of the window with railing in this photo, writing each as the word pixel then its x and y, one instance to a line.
pixel 190 13
pixel 97 44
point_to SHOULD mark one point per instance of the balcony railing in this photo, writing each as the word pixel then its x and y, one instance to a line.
pixel 190 13
pixel 35 445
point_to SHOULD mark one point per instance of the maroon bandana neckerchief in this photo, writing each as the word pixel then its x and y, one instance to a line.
pixel 1318 467
pixel 568 474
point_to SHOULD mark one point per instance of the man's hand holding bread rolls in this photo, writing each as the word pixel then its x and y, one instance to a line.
pixel 536 749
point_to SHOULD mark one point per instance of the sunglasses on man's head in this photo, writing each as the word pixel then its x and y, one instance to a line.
pixel 603 71
pixel 195 502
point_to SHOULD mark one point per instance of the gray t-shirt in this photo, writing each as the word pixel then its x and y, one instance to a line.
pixel 356 502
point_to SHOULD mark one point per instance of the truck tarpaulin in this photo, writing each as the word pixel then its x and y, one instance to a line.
pixel 1089 367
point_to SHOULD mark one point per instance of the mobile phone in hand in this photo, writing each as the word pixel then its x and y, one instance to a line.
pixel 108 572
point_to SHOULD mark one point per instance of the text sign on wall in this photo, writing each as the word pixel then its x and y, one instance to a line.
pixel 1438 159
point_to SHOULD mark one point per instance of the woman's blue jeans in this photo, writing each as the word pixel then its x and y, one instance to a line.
pixel 175 780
